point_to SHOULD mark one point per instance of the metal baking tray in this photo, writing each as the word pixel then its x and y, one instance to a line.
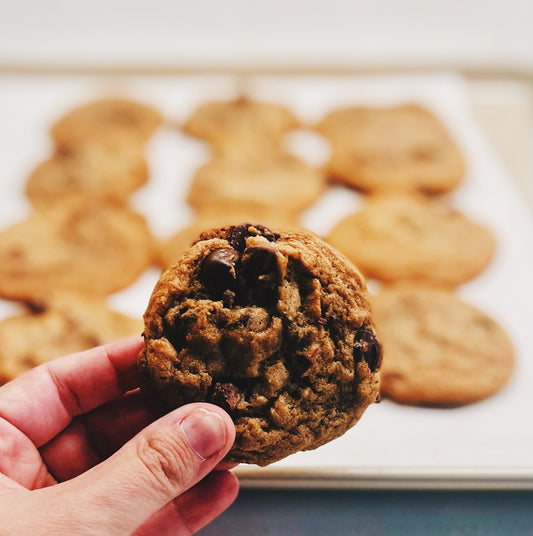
pixel 488 445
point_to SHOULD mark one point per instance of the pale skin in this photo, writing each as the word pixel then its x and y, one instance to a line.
pixel 82 453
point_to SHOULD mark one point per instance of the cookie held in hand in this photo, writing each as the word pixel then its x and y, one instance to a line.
pixel 273 327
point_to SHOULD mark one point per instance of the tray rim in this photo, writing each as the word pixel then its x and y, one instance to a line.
pixel 377 478
pixel 517 70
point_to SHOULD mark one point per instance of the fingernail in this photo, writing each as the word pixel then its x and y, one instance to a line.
pixel 205 432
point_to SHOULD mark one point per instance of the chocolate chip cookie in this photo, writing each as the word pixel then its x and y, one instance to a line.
pixel 106 117
pixel 233 125
pixel 274 327
pixel 274 180
pixel 94 249
pixel 399 148
pixel 437 349
pixel 412 238
pixel 62 325
pixel 107 169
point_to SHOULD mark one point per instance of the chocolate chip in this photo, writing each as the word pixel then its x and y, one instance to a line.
pixel 218 270
pixel 226 395
pixel 244 318
pixel 237 235
pixel 271 236
pixel 259 260
pixel 367 347
pixel 175 332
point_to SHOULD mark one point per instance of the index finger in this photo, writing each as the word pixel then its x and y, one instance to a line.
pixel 43 401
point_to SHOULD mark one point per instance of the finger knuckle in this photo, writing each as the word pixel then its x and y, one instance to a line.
pixel 168 463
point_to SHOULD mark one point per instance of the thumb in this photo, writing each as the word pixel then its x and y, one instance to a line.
pixel 158 464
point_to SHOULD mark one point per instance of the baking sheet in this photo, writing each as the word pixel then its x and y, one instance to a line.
pixel 488 444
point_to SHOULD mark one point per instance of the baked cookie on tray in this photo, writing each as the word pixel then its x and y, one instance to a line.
pixel 90 248
pixel 437 349
pixel 63 325
pixel 108 168
pixel 228 125
pixel 273 326
pixel 398 148
pixel 106 117
pixel 412 238
pixel 276 181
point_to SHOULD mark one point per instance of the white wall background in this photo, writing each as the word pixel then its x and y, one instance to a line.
pixel 338 33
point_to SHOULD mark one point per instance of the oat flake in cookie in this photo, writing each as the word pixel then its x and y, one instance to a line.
pixel 275 328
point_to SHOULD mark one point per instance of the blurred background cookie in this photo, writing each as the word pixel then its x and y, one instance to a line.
pixel 108 168
pixel 62 325
pixel 231 125
pixel 437 349
pixel 411 238
pixel 106 117
pixel 275 181
pixel 90 248
pixel 399 148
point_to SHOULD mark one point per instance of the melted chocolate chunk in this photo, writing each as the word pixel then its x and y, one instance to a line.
pixel 258 261
pixel 367 347
pixel 176 336
pixel 260 270
pixel 219 269
pixel 237 235
pixel 271 236
pixel 226 395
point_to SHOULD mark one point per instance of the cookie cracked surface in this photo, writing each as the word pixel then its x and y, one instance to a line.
pixel 275 328
pixel 438 349
pixel 93 248
pixel 401 148
pixel 62 324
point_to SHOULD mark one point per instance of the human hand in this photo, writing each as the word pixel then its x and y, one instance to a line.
pixel 80 453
